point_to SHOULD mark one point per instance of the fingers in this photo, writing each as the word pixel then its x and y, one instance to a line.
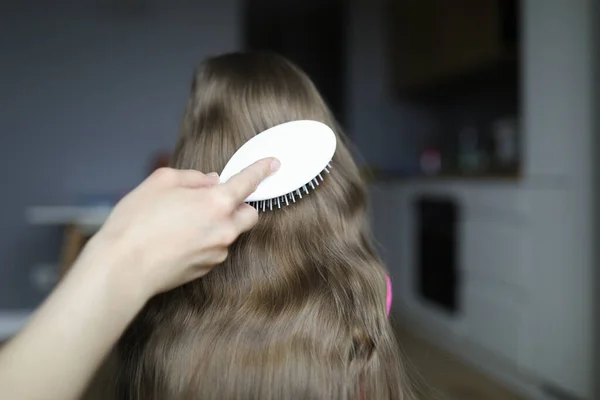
pixel 242 219
pixel 184 178
pixel 245 217
pixel 194 179
pixel 241 185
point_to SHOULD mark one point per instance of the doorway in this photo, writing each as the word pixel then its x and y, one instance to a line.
pixel 311 34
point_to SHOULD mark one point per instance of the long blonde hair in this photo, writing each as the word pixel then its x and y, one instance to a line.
pixel 297 311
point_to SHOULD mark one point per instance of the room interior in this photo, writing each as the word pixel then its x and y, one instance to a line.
pixel 472 120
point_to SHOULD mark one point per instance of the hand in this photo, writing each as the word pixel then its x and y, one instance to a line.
pixel 176 225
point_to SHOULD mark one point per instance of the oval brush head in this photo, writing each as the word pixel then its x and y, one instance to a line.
pixel 304 149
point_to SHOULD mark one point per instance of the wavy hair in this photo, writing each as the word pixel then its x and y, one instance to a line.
pixel 297 311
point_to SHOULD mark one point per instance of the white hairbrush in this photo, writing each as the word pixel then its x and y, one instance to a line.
pixel 304 148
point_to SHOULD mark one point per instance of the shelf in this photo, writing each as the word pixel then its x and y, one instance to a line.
pixel 497 176
pixel 88 219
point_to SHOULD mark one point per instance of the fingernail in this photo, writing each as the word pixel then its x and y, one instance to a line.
pixel 212 174
pixel 275 164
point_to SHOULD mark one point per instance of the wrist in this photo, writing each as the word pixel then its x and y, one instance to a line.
pixel 106 261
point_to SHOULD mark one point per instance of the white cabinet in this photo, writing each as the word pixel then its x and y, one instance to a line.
pixel 495 250
pixel 558 84
pixel 494 318
pixel 523 296
pixel 493 258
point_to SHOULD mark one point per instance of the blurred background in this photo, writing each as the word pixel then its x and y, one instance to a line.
pixel 473 121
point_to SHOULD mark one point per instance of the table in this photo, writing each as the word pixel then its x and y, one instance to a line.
pixel 80 223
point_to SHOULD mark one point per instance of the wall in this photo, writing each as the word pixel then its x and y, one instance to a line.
pixel 385 132
pixel 595 187
pixel 89 92
pixel 559 82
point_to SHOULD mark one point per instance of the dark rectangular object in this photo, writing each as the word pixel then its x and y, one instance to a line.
pixel 311 34
pixel 437 278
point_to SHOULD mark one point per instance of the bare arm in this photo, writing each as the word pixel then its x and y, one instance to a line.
pixel 57 353
pixel 171 229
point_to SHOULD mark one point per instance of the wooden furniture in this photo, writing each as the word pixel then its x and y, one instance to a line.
pixel 73 241
pixel 432 42
pixel 79 223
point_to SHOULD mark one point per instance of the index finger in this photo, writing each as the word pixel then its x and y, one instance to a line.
pixel 242 184
pixel 195 179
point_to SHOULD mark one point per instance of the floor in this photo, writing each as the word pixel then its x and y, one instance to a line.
pixel 440 376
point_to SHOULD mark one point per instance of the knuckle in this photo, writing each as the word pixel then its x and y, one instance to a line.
pixel 222 256
pixel 224 202
pixel 164 174
pixel 249 215
pixel 254 218
pixel 213 197
pixel 228 236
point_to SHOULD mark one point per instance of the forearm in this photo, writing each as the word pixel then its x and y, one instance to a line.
pixel 60 348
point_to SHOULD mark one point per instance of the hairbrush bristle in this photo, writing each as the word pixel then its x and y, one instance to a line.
pixel 290 198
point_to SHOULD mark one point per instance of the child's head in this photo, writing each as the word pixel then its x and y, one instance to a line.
pixel 298 309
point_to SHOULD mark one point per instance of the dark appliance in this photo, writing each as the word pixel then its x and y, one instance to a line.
pixel 437 277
